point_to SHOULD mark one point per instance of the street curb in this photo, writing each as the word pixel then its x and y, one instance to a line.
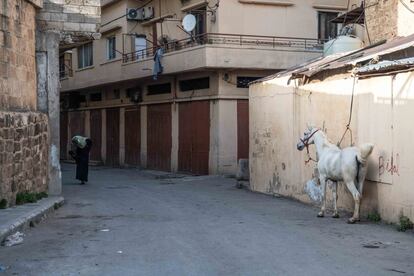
pixel 35 215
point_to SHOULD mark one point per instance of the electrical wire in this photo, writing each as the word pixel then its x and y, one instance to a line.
pixel 115 19
pixel 406 6
pixel 347 10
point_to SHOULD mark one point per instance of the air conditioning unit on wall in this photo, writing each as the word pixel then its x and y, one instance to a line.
pixel 142 14
pixel 148 13
pixel 135 14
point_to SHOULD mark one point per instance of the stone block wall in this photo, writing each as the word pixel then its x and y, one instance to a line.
pixel 386 19
pixel 381 19
pixel 23 154
pixel 17 55
pixel 76 20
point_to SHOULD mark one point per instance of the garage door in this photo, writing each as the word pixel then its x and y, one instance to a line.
pixel 194 137
pixel 159 140
pixel 132 137
pixel 112 137
pixel 242 129
pixel 96 134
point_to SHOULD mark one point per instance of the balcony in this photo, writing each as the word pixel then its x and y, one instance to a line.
pixel 240 41
pixel 207 51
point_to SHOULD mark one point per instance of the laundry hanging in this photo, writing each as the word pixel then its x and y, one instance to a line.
pixel 158 68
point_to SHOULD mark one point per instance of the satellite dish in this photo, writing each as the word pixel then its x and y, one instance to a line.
pixel 189 22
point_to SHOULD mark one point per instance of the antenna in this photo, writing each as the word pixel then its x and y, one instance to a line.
pixel 189 22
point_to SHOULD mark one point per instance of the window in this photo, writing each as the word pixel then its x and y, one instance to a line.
pixel 326 29
pixel 243 82
pixel 195 84
pixel 65 65
pixel 111 47
pixel 95 97
pixel 163 88
pixel 75 100
pixel 200 15
pixel 62 68
pixel 140 46
pixel 85 55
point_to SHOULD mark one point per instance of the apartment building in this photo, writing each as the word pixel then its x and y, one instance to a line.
pixel 193 117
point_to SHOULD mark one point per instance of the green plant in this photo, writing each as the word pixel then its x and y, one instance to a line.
pixel 405 224
pixel 26 197
pixel 374 217
pixel 22 198
pixel 41 195
pixel 3 203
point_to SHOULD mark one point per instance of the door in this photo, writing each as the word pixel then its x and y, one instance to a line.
pixel 159 139
pixel 132 136
pixel 140 47
pixel 194 137
pixel 242 129
pixel 63 135
pixel 112 137
pixel 96 134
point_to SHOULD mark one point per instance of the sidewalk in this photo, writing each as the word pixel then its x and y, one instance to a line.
pixel 19 218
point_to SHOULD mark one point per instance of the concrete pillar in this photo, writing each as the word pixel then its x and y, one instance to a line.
pixel 223 137
pixel 47 66
pixel 175 127
pixel 144 128
pixel 122 136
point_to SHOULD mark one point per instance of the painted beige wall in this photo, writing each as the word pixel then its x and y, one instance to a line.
pixel 223 137
pixel 278 117
pixel 290 18
pixel 405 18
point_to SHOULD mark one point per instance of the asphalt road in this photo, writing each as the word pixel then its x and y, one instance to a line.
pixel 127 222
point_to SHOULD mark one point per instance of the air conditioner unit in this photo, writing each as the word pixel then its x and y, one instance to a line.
pixel 135 14
pixel 148 12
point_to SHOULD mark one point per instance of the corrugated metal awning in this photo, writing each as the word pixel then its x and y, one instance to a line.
pixel 353 16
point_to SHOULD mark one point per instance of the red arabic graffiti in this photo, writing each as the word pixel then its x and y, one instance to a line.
pixel 389 166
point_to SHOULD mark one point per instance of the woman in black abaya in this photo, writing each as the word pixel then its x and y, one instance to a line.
pixel 81 155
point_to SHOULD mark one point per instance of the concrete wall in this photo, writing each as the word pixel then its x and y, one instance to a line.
pixel 279 114
pixel 223 137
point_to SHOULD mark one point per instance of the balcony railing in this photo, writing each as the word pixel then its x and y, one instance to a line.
pixel 254 41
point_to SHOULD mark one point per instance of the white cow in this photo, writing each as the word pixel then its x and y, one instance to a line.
pixel 348 165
